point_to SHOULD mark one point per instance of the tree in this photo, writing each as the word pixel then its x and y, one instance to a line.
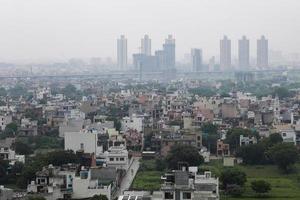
pixel 183 153
pixel 70 91
pixel 260 186
pixel 275 138
pixel 209 128
pixel 284 155
pixel 13 126
pixel 22 148
pixel 207 92
pixel 210 136
pixel 252 154
pixel 99 197
pixel 235 190
pixel 3 92
pixel 58 158
pixel 282 92
pixel 18 91
pixel 232 176
pixel 233 136
pixel 3 171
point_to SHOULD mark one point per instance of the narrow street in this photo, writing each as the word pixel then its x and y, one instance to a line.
pixel 128 178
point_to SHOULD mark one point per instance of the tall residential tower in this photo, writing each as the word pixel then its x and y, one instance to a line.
pixel 262 52
pixel 244 53
pixel 122 52
pixel 196 59
pixel 169 52
pixel 146 45
pixel 225 53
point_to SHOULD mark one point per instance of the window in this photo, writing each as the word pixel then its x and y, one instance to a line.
pixel 169 195
pixel 117 159
pixel 111 159
pixel 186 195
pixel 122 159
pixel 81 146
pixel 284 134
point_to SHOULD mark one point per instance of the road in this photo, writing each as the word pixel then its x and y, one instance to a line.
pixel 128 178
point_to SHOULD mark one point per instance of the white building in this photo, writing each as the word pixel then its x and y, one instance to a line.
pixel 10 155
pixel 84 141
pixel 183 185
pixel 288 135
pixel 134 122
pixel 53 182
pixel 94 182
pixel 116 156
pixel 246 140
pixel 4 121
pixel 122 52
pixel 42 93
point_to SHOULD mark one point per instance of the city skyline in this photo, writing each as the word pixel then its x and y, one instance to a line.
pixel 35 30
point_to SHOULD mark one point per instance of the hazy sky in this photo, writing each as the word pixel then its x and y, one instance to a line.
pixel 60 29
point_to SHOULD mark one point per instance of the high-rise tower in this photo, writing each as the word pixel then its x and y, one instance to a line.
pixel 122 52
pixel 225 53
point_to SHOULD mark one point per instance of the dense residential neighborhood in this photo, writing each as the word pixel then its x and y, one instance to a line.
pixel 184 139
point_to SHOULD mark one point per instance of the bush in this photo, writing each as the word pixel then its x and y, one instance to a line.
pixel 260 186
pixel 232 176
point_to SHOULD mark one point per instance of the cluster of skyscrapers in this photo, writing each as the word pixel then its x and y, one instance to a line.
pixel 243 53
pixel 165 59
pixel 161 60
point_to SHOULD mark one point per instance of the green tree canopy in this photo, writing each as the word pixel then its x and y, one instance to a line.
pixel 282 92
pixel 22 148
pixel 232 176
pixel 233 136
pixel 13 126
pixel 284 155
pixel 183 153
pixel 58 158
pixel 252 154
pixel 260 186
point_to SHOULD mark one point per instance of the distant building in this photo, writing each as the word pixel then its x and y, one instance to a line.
pixel 246 140
pixel 262 52
pixel 196 58
pixel 211 64
pixel 225 53
pixel 146 45
pixel 245 77
pixel 5 120
pixel 160 59
pixel 244 53
pixel 169 52
pixel 144 62
pixel 122 52
pixel 222 148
